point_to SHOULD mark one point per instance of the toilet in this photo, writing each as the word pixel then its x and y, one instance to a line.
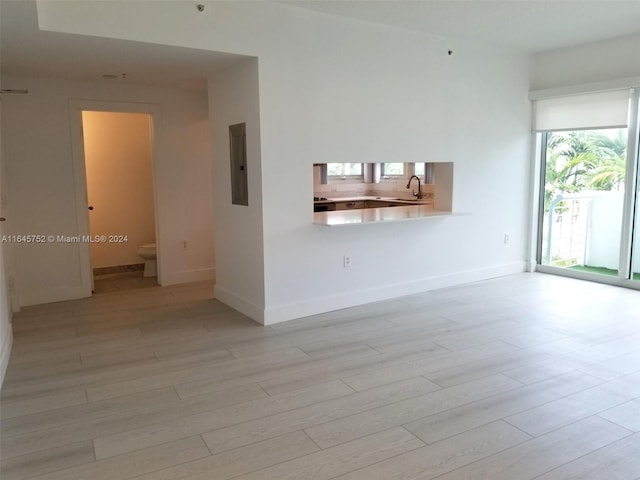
pixel 148 253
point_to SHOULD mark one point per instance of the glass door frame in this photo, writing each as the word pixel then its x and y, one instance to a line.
pixel 630 231
pixel 630 234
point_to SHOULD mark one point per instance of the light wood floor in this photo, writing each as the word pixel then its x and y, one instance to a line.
pixel 527 376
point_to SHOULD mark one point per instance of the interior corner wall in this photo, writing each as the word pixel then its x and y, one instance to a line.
pixel 585 64
pixel 39 167
pixel 233 99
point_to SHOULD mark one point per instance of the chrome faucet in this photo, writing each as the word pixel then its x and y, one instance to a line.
pixel 419 194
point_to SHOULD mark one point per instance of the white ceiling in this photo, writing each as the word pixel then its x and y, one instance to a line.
pixel 525 25
pixel 530 26
pixel 28 51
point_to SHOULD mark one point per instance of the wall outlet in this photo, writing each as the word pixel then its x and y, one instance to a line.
pixel 346 261
pixel 507 238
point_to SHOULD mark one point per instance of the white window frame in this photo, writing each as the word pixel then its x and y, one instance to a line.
pixel 393 176
pixel 345 178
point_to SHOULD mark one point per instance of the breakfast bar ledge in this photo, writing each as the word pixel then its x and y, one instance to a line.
pixel 378 215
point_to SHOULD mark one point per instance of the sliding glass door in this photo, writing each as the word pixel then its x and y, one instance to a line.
pixel 589 208
pixel 635 259
pixel 633 170
pixel 584 186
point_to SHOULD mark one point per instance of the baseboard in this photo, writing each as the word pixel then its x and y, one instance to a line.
pixel 282 313
pixel 52 295
pixel 5 353
pixel 238 303
pixel 188 276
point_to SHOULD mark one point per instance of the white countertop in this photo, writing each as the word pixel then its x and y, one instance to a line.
pixel 376 215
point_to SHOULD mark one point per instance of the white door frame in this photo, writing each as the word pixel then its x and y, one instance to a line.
pixel 76 107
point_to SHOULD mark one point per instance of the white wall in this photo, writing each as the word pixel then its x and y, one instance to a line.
pixel 336 90
pixel 591 63
pixel 38 155
pixel 118 159
pixel 340 90
pixel 6 332
pixel 233 99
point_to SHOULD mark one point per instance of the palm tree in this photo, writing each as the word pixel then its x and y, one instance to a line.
pixel 609 175
pixel 610 146
pixel 584 160
pixel 570 157
pixel 610 171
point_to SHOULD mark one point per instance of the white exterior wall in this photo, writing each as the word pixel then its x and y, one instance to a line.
pixel 603 234
pixel 603 231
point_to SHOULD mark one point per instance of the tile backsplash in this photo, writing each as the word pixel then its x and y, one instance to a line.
pixel 386 188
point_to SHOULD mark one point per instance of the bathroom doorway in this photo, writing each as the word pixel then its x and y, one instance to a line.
pixel 118 161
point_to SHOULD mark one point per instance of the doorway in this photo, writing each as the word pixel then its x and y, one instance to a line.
pixel 118 164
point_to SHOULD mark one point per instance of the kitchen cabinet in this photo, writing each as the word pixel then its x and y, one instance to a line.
pixel 381 204
pixel 356 204
pixel 350 205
